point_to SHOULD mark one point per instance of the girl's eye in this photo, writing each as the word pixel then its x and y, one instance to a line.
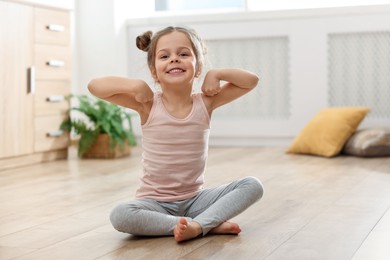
pixel 184 54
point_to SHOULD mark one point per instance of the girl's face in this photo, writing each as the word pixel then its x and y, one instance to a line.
pixel 175 62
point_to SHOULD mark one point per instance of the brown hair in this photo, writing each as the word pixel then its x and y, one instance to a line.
pixel 147 42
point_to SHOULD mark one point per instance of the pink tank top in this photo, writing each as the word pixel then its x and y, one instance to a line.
pixel 174 152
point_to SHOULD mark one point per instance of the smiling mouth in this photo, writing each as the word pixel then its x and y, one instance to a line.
pixel 175 70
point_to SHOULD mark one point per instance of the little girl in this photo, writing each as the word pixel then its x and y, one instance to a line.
pixel 175 132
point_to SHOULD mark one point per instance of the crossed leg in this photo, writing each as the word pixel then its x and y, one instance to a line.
pixel 212 208
pixel 185 230
pixel 208 212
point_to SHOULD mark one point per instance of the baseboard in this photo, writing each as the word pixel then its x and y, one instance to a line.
pixel 250 141
pixel 24 160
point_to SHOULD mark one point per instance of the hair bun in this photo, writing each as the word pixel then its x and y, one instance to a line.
pixel 143 41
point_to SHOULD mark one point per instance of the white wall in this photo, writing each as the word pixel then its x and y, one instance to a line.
pixel 101 42
pixel 95 41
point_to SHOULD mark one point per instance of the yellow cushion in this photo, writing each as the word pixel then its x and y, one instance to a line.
pixel 326 134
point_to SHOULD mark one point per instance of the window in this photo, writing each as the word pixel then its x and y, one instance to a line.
pixel 256 5
pixel 196 5
pixel 266 5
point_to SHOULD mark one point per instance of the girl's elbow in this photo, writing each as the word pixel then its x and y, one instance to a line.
pixel 254 81
pixel 92 86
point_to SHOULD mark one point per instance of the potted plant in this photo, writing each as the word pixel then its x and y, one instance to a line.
pixel 105 129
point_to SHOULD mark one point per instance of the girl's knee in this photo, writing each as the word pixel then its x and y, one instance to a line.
pixel 116 217
pixel 256 187
pixel 120 217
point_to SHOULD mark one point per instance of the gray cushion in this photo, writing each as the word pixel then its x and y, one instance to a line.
pixel 370 142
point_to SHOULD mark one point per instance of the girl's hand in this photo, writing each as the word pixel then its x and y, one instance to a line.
pixel 222 86
pixel 211 85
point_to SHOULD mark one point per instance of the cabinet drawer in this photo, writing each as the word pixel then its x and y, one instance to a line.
pixel 50 97
pixel 52 26
pixel 52 62
pixel 47 135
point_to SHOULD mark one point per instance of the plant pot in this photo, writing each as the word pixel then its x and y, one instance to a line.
pixel 101 149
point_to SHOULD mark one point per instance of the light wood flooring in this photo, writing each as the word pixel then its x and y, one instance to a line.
pixel 313 208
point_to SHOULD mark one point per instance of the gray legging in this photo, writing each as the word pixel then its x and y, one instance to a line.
pixel 209 208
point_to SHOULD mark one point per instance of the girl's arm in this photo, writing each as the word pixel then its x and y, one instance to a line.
pixel 130 93
pixel 238 83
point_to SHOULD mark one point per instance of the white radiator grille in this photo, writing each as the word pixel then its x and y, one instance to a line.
pixel 359 71
pixel 268 57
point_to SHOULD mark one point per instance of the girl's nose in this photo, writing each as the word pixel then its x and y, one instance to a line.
pixel 174 60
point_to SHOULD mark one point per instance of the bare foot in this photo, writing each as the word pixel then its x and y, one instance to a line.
pixel 226 228
pixel 185 230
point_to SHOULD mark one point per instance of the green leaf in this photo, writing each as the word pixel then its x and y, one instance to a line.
pixel 95 116
pixel 86 141
pixel 66 125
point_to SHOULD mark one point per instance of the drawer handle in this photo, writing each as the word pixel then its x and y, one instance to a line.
pixel 55 27
pixel 55 98
pixel 31 79
pixel 55 63
pixel 55 133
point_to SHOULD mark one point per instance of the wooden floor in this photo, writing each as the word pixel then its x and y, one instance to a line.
pixel 313 208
